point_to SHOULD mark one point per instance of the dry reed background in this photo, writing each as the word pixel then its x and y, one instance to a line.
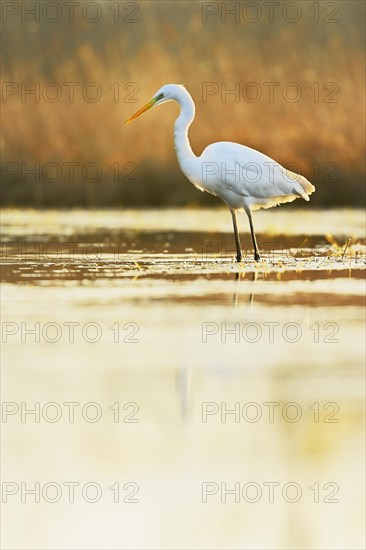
pixel 171 42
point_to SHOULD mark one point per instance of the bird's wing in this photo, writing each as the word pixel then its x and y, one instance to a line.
pixel 249 173
pixel 260 178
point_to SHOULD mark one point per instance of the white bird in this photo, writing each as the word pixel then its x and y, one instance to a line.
pixel 243 178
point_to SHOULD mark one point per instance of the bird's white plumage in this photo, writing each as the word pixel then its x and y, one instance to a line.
pixel 243 178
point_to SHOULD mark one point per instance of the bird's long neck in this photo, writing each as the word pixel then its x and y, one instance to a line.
pixel 182 146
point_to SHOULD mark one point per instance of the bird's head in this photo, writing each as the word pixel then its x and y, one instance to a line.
pixel 169 92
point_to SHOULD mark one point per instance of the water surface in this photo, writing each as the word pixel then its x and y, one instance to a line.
pixel 220 404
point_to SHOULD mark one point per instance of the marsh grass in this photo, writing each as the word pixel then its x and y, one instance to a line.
pixel 324 139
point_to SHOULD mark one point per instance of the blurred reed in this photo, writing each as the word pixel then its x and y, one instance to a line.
pixel 171 43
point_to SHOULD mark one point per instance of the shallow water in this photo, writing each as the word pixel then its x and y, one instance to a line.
pixel 220 404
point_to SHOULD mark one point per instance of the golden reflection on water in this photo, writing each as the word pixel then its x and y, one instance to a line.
pixel 174 385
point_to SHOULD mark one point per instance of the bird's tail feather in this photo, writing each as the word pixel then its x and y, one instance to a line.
pixel 305 188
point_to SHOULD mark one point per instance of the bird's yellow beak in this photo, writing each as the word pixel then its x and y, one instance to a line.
pixel 146 107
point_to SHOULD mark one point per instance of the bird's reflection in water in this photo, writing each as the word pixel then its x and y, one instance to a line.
pixel 182 390
pixel 240 275
pixel 183 378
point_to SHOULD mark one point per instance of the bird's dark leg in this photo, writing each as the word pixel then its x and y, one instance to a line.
pixel 256 251
pixel 237 239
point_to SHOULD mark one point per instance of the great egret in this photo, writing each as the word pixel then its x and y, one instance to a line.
pixel 243 178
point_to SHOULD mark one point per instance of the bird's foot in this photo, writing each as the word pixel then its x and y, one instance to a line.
pixel 257 257
pixel 239 257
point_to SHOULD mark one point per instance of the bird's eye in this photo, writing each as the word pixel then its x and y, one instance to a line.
pixel 160 96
